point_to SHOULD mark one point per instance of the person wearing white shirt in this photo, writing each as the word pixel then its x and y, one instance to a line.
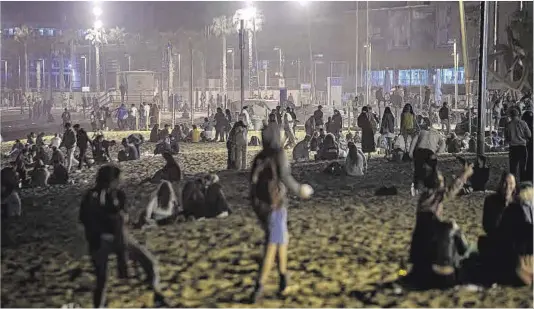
pixel 245 117
pixel 55 141
pixel 146 110
pixel 133 117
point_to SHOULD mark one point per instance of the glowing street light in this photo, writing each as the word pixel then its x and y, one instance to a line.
pixel 281 70
pixel 97 11
pixel 98 24
pixel 303 3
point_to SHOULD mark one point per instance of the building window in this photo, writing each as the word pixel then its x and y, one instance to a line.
pixel 405 77
pixel 377 78
pixel 419 77
pixel 447 76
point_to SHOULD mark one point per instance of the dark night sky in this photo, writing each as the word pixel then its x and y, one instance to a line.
pixel 163 16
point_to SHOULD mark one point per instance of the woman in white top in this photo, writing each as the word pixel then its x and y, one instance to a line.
pixel 162 207
pixel 355 163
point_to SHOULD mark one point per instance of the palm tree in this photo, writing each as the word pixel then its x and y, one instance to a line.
pixel 117 36
pixel 221 27
pixel 97 37
pixel 23 35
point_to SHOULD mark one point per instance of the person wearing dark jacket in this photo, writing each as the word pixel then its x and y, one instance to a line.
pixel 104 215
pixel 81 140
pixel 387 129
pixel 527 175
pixel 57 156
pixel 318 115
pixel 329 149
pixel 517 135
pixel 337 124
pixel 368 136
pixel 221 122
pixel 309 126
pixel 170 172
pixel 515 247
pixel 69 142
pixel 129 152
pixel 229 122
pixel 59 175
pixel 154 134
pixel 269 178
pixel 437 246
pixel 137 140
pixel 444 117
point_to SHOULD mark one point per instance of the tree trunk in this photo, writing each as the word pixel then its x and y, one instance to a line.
pixel 26 69
pixel 97 68
pixel 61 71
pixel 225 78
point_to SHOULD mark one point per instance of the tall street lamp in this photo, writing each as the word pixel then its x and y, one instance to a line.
pixel 129 61
pixel 455 60
pixel 231 51
pixel 97 12
pixel 280 65
pixel 5 73
pixel 84 71
pixel 369 48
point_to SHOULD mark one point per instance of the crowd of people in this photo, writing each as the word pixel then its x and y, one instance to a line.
pixel 439 252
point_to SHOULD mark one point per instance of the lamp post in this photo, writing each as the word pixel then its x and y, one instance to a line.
pixel 84 71
pixel 5 73
pixel 129 61
pixel 455 77
pixel 242 59
pixel 369 48
pixel 231 51
pixel 280 66
pixel 97 11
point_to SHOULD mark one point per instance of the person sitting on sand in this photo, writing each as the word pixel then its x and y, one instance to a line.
pixel 398 152
pixel 103 214
pixel 163 146
pixel 39 175
pixel 55 141
pixel 162 207
pixel 301 152
pixel 101 149
pixel 170 172
pixel 208 132
pixel 177 133
pixel 454 145
pixel 164 132
pixel 129 152
pixel 216 204
pixel 329 150
pixel 137 140
pixel 31 139
pixel 270 176
pixel 494 205
pixel 154 134
pixel 42 155
pixel 39 141
pixel 355 163
pixel 516 240
pixel 437 246
pixel 314 142
pixel 15 149
pixel 194 135
pixel 59 176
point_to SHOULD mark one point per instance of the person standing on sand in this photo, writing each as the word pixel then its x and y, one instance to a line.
pixel 103 214
pixel 517 135
pixel 270 175
pixel 69 142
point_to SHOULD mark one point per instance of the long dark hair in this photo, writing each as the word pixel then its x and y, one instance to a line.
pixel 169 159
pixel 106 175
pixel 409 107
pixel 387 110
pixel 353 152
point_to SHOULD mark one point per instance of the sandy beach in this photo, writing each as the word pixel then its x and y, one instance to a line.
pixel 345 243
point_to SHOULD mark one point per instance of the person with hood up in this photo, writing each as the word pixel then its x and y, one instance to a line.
pixel 270 179
pixel 245 117
pixel 423 150
pixel 355 163
pixel 329 149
